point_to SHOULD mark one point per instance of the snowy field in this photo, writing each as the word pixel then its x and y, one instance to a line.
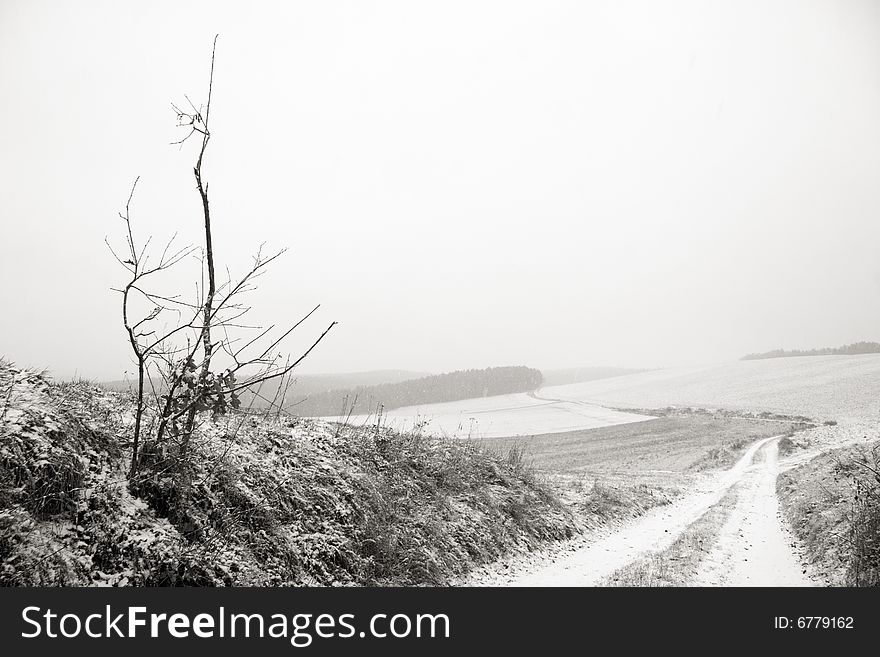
pixel 843 388
pixel 821 387
pixel 502 415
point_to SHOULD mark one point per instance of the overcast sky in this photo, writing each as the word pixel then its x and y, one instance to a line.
pixel 460 184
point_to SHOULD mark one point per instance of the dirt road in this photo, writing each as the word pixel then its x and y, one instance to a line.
pixel 754 548
pixel 655 531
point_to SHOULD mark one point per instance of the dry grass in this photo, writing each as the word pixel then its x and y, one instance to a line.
pixel 674 443
pixel 833 505
pixel 786 446
pixel 265 502
pixel 609 501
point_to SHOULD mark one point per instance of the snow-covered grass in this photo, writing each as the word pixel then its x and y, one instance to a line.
pixel 832 503
pixel 262 501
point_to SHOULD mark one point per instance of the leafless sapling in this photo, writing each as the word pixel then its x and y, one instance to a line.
pixel 211 325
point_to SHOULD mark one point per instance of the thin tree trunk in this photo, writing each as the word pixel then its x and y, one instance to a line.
pixel 139 413
pixel 207 346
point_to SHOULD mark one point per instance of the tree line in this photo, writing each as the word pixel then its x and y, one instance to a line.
pixel 846 350
pixel 452 386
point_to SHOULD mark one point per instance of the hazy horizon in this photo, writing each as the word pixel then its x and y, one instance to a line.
pixel 418 372
pixel 127 375
pixel 461 185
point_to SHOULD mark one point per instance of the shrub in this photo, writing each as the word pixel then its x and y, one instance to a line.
pixel 864 525
pixel 786 446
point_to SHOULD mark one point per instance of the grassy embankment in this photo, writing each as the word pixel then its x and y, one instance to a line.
pixel 833 505
pixel 269 502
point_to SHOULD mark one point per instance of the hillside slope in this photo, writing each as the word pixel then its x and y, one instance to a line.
pixel 270 502
pixel 821 387
pixel 833 505
pixel 582 374
pixel 841 388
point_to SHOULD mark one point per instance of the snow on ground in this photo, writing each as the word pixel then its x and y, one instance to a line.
pixel 754 547
pixel 519 414
pixel 821 387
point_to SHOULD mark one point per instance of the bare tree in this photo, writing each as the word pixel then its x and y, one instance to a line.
pixel 142 337
pixel 212 325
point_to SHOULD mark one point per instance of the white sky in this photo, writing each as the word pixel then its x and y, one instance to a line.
pixel 461 184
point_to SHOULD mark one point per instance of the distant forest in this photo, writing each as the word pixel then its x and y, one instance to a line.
pixel 462 384
pixel 846 350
